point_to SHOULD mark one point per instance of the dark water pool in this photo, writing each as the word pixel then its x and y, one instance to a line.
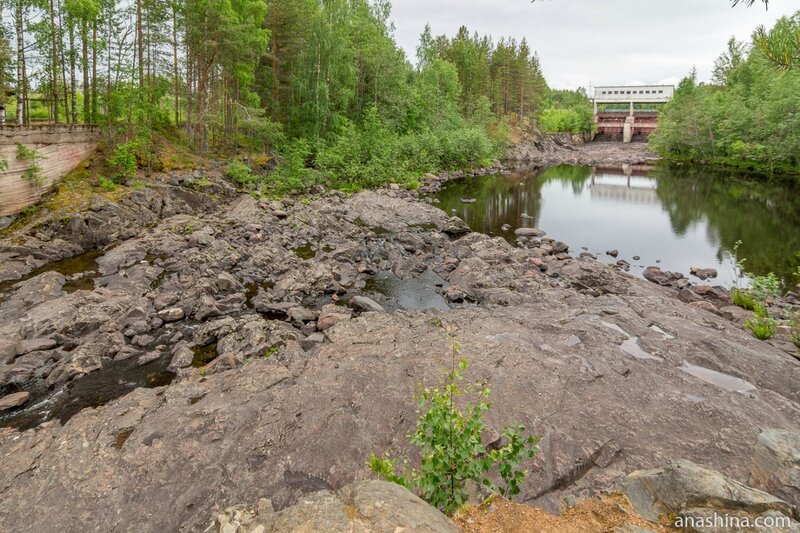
pixel 682 217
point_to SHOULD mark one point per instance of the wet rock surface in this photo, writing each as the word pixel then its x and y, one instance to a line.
pixel 283 387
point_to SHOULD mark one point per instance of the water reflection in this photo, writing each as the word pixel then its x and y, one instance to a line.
pixel 680 217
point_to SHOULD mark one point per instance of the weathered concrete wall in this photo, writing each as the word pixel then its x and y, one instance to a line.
pixel 62 149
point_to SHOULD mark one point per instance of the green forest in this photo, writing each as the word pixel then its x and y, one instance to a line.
pixel 750 115
pixel 321 84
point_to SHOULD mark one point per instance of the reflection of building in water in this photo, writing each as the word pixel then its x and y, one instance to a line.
pixel 628 188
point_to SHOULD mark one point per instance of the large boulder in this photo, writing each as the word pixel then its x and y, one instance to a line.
pixel 689 490
pixel 362 507
pixel 775 467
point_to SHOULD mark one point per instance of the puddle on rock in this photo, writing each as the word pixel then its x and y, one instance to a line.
pixel 305 252
pixel 85 263
pixel 667 336
pixel 204 355
pixel 631 345
pixel 723 381
pixel 251 291
pixel 377 230
pixel 414 294
pixel 97 388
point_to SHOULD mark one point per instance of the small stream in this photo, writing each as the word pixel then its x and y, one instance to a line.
pixel 674 218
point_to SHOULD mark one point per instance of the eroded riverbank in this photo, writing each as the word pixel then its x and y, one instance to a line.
pixel 303 388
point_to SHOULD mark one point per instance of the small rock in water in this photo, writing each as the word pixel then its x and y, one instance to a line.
pixel 636 258
pixel 612 253
pixel 505 227
pixel 148 357
pixel 529 232
pixel 704 273
pixel 14 400
pixel 525 215
pixel 468 200
pixel 365 304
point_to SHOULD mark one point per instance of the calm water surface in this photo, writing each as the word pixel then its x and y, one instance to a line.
pixel 680 217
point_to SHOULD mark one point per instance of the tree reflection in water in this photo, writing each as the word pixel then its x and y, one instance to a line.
pixel 681 216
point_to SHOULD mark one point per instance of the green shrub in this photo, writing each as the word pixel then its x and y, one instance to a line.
pixel 743 299
pixel 3 165
pixel 241 174
pixel 106 184
pixel 762 324
pixel 32 172
pixel 766 286
pixel 292 172
pixel 124 161
pixel 451 450
pixel 794 325
pixel 570 120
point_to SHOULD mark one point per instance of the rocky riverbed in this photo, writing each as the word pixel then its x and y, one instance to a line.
pixel 565 149
pixel 291 361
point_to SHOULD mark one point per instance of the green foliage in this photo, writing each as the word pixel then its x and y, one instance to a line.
pixel 794 334
pixel 567 112
pixel 781 44
pixel 762 325
pixel 762 288
pixel 448 438
pixel 743 299
pixel 32 172
pixel 124 161
pixel 241 174
pixel 747 118
pixel 3 165
pixel 292 172
pixel 106 184
pixel 765 287
pixel 27 154
pixel 565 121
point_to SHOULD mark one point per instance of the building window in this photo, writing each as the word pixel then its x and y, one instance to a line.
pixel 660 92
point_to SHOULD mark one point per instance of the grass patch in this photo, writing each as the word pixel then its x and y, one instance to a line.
pixel 743 299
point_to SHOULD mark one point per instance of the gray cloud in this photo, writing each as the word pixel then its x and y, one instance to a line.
pixel 598 42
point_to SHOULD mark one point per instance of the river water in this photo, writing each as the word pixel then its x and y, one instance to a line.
pixel 672 217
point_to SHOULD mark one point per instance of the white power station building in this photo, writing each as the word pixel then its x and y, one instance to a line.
pixel 640 94
pixel 631 123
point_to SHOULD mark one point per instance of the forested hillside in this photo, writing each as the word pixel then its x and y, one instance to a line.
pixel 323 84
pixel 749 115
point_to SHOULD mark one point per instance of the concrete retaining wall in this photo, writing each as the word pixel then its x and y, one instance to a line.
pixel 63 149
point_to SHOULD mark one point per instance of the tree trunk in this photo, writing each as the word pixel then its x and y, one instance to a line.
pixel 20 63
pixel 108 69
pixel 54 62
pixel 140 42
pixel 73 82
pixel 85 65
pixel 175 63
pixel 94 72
pixel 63 60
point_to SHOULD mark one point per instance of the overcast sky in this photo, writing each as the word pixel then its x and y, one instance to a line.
pixel 598 42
